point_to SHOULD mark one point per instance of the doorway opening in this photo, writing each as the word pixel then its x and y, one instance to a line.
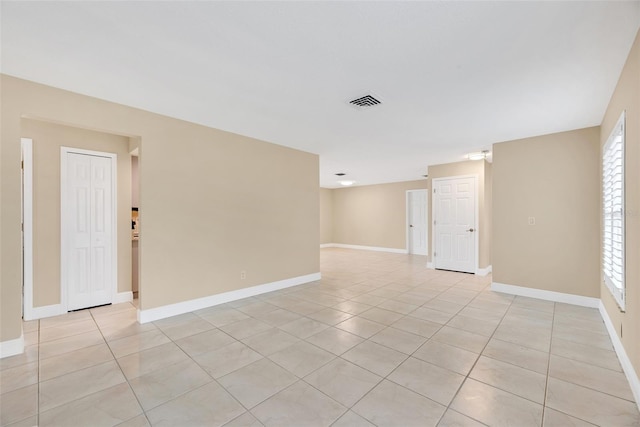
pixel 45 291
pixel 135 223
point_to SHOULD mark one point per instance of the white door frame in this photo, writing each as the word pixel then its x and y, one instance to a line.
pixel 408 214
pixel 64 297
pixel 476 219
pixel 27 228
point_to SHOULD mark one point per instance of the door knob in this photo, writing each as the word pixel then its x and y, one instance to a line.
pixel 410 225
pixel 471 230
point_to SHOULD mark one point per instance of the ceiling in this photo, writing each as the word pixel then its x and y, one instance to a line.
pixel 454 77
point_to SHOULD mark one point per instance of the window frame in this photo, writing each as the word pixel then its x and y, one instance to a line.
pixel 617 212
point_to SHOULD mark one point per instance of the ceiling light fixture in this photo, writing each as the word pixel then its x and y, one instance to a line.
pixel 478 156
pixel 346 182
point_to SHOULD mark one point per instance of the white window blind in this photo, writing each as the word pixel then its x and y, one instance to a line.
pixel 613 244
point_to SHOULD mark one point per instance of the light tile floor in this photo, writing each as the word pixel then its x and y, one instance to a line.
pixel 380 340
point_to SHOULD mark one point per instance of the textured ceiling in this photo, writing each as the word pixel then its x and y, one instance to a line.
pixel 454 77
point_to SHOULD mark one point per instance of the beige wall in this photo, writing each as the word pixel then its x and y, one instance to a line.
pixel 555 179
pixel 326 215
pixel 373 215
pixel 627 97
pixel 47 140
pixel 478 168
pixel 212 203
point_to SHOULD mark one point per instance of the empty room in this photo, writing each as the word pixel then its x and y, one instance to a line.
pixel 323 213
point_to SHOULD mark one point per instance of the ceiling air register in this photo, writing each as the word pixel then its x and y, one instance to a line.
pixel 365 101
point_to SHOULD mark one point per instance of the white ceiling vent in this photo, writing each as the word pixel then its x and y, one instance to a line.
pixel 365 101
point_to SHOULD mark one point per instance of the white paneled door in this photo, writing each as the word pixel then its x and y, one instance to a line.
pixel 88 230
pixel 417 219
pixel 454 224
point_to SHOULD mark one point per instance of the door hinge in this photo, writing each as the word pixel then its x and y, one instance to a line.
pixel 434 190
pixel 434 222
pixel 22 164
pixel 435 254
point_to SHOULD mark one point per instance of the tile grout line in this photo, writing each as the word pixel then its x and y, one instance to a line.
pixel 59 376
pixel 298 379
pixel 450 287
pixel 213 379
pixel 337 357
pixel 263 356
pixel 38 388
pixel 121 371
pixel 578 385
pixel 546 380
pixel 383 378
pixel 588 387
pixel 404 315
pixel 475 363
pixel 302 379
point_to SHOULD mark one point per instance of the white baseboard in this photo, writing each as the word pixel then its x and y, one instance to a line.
pixel 364 248
pixel 430 265
pixel 145 316
pixel 45 311
pixel 12 347
pixel 123 297
pixel 625 362
pixel 546 295
pixel 483 271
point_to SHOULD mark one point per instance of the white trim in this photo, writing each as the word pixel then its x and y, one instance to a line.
pixel 627 366
pixel 476 178
pixel 326 245
pixel 123 297
pixel 145 316
pixel 12 347
pixel 430 265
pixel 27 224
pixel 406 222
pixel 484 271
pixel 46 311
pixel 426 213
pixel 364 248
pixel 546 295
pixel 64 299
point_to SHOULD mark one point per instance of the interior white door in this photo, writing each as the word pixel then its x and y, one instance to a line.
pixel 455 230
pixel 89 231
pixel 417 213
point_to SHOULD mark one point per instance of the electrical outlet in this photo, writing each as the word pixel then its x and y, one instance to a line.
pixel 532 220
pixel 243 275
